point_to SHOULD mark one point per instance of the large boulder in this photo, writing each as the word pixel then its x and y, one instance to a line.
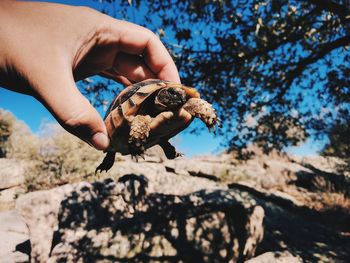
pixel 122 221
pixel 39 212
pixel 12 232
pixel 11 173
pixel 8 197
pixel 276 257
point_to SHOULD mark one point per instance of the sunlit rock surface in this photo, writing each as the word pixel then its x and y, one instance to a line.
pixel 305 203
pixel 275 257
pixel 122 222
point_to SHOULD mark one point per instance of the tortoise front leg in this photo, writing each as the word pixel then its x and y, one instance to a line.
pixel 203 110
pixel 140 127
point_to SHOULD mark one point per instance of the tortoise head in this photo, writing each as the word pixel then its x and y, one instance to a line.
pixel 170 98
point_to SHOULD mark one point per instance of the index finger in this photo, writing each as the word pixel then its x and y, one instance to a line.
pixel 137 40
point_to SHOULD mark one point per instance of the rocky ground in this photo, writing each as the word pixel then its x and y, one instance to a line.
pixel 203 209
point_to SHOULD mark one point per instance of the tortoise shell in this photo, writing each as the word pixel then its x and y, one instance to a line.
pixel 139 99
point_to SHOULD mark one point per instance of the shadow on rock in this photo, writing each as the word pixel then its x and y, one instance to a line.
pixel 298 229
pixel 321 180
pixel 121 222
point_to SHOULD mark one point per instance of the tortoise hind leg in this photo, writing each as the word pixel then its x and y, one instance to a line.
pixel 169 150
pixel 107 162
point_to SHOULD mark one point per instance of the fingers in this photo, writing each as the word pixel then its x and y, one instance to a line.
pixel 111 74
pixel 130 67
pixel 137 40
pixel 71 109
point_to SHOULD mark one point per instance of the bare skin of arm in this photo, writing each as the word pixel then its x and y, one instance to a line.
pixel 45 48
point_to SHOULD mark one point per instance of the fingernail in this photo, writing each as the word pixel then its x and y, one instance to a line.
pixel 100 141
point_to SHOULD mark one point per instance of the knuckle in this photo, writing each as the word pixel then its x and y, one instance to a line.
pixel 76 119
pixel 79 123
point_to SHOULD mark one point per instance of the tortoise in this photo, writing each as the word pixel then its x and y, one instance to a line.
pixel 150 113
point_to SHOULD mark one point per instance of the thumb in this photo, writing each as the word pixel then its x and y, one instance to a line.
pixel 72 110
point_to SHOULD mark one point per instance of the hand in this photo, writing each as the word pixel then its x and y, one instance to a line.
pixel 45 48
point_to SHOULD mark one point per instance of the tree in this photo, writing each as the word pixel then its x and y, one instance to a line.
pixel 16 139
pixel 61 158
pixel 339 143
pixel 7 121
pixel 270 66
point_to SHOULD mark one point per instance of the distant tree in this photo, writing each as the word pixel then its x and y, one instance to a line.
pixel 52 158
pixel 339 142
pixel 7 121
pixel 268 66
pixel 16 139
pixel 61 158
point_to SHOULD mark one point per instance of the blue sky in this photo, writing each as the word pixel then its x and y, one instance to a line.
pixel 30 111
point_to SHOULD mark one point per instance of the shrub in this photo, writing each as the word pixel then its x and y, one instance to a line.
pixel 7 121
pixel 16 139
pixel 62 158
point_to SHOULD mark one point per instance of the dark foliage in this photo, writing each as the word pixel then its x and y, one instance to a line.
pixel 339 143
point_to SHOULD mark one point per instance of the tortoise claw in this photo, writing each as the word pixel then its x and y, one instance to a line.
pixel 219 122
pixel 136 156
pixel 179 154
pixel 99 170
pixel 216 123
pixel 137 152
pixel 212 129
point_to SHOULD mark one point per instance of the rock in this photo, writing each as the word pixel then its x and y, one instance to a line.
pixel 286 198
pixel 275 257
pixel 169 217
pixel 11 173
pixel 162 180
pixel 201 167
pixel 12 232
pixel 155 154
pixel 14 257
pixel 124 221
pixel 39 211
pixel 9 196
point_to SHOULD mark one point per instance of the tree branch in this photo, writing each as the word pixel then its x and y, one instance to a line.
pixel 288 37
pixel 320 53
pixel 301 66
pixel 328 5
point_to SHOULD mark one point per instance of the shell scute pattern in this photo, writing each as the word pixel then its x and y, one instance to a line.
pixel 135 123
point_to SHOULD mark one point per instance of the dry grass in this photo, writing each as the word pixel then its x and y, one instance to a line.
pixel 61 159
pixel 54 157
